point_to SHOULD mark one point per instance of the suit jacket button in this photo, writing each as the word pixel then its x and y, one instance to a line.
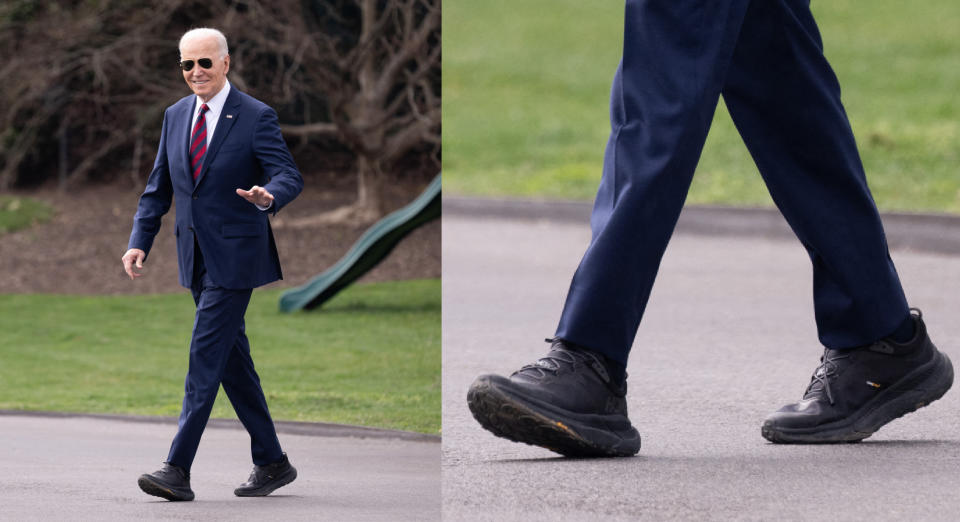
pixel 195 196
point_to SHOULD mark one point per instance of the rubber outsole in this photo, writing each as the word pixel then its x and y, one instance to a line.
pixel 152 487
pixel 270 487
pixel 512 418
pixel 900 399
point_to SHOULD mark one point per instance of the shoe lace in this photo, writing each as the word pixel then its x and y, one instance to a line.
pixel 560 355
pixel 822 375
pixel 552 362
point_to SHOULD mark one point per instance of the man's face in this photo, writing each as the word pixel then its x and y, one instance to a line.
pixel 205 83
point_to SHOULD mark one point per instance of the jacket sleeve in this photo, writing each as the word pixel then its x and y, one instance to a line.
pixel 155 201
pixel 284 179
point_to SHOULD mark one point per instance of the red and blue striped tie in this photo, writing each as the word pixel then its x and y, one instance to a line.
pixel 198 142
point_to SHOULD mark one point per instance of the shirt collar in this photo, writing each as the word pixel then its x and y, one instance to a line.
pixel 216 103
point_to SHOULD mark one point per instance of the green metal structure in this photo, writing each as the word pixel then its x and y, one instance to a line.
pixel 372 247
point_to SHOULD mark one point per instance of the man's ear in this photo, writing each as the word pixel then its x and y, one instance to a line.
pixel 226 64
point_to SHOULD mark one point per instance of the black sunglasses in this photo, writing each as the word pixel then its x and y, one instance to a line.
pixel 187 65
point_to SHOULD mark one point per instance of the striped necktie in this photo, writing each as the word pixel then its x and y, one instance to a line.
pixel 198 142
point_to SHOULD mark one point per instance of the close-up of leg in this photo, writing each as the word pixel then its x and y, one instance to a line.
pixel 806 152
pixel 663 97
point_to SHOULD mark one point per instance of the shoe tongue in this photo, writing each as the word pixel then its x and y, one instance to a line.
pixel 820 372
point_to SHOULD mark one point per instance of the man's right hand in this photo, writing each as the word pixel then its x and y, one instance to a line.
pixel 133 258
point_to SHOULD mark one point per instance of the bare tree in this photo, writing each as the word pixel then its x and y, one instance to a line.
pixel 382 92
pixel 85 83
pixel 71 75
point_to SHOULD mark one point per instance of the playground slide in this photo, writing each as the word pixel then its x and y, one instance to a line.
pixel 372 247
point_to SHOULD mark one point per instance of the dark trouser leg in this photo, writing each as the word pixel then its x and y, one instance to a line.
pixel 785 101
pixel 242 384
pixel 675 56
pixel 216 332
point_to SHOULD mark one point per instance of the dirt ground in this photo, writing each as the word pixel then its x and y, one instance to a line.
pixel 79 250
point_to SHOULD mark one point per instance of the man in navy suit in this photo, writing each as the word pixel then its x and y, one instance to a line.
pixel 765 58
pixel 224 161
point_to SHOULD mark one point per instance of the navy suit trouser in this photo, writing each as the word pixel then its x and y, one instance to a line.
pixel 220 354
pixel 765 57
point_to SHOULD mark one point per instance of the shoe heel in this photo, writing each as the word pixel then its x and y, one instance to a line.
pixel 941 381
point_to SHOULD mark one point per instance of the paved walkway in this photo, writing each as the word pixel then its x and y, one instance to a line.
pixel 86 469
pixel 728 337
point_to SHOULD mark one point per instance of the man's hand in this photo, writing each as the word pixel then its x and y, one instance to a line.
pixel 257 195
pixel 133 257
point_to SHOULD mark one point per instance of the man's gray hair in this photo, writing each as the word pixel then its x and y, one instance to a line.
pixel 206 32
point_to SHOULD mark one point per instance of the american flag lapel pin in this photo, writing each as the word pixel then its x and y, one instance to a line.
pixel 229 115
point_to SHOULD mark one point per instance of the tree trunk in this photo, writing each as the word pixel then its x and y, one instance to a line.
pixel 370 180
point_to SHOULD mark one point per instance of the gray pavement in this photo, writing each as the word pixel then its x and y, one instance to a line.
pixel 729 336
pixel 81 468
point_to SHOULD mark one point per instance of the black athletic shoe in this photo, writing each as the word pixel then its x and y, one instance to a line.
pixel 855 392
pixel 565 402
pixel 265 479
pixel 170 482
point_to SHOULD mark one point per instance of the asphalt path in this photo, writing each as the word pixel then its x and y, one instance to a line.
pixel 728 337
pixel 80 468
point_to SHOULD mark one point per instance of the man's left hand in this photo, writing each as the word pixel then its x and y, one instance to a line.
pixel 257 195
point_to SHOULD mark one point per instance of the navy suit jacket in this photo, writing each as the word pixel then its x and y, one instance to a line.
pixel 234 235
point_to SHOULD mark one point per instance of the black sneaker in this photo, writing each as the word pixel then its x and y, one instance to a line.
pixel 265 479
pixel 855 392
pixel 565 402
pixel 170 482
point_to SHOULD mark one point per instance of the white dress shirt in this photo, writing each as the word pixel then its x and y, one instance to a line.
pixel 215 107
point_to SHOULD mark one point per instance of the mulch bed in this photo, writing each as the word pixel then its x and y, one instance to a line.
pixel 79 250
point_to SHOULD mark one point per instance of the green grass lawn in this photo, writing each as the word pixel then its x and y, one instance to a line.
pixel 525 88
pixel 19 212
pixel 371 356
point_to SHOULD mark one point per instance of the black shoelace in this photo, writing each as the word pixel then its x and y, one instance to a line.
pixel 551 362
pixel 560 354
pixel 823 373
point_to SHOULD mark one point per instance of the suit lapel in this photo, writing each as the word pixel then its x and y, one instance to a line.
pixel 228 116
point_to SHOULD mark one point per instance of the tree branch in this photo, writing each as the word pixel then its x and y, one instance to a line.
pixel 310 129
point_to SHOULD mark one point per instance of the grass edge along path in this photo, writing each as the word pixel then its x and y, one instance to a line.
pixel 525 101
pixel 369 357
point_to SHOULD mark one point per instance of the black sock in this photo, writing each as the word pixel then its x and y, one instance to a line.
pixel 904 333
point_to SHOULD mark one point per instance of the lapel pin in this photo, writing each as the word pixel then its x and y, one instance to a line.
pixel 229 115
